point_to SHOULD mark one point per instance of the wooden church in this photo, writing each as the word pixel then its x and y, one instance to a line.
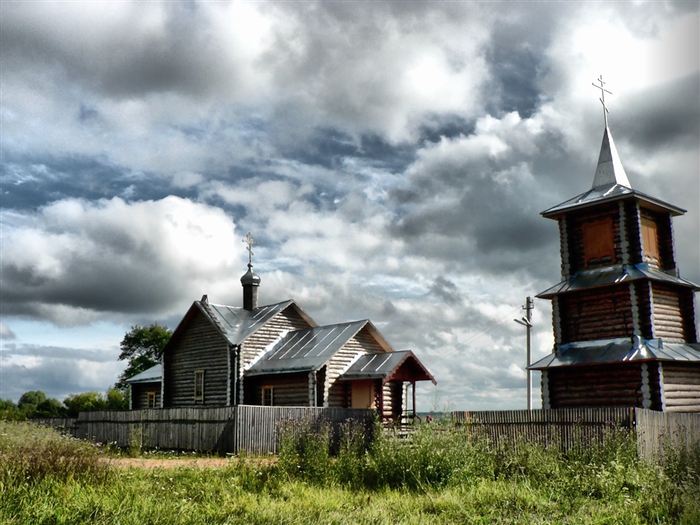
pixel 624 319
pixel 222 355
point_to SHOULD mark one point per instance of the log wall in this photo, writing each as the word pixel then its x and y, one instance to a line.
pixel 287 320
pixel 681 387
pixel 288 389
pixel 201 347
pixel 609 385
pixel 139 394
pixel 673 314
pixel 600 313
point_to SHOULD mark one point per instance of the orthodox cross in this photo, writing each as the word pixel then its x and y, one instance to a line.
pixel 603 91
pixel 250 241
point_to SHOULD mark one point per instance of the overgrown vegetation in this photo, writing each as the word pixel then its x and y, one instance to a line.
pixel 439 475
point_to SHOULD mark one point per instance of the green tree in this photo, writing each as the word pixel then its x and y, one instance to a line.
pixel 117 400
pixel 10 412
pixel 50 408
pixel 142 347
pixel 30 400
pixel 85 402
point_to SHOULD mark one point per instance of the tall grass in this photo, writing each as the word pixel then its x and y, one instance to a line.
pixel 438 475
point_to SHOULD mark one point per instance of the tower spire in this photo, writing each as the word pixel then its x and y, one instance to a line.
pixel 609 170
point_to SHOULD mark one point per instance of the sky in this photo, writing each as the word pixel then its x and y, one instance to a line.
pixel 390 158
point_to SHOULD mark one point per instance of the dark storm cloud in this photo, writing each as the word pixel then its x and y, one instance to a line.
pixel 666 116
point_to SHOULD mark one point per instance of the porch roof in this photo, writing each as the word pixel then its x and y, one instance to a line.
pixel 392 366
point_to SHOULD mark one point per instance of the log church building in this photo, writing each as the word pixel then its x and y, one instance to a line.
pixel 277 355
pixel 623 317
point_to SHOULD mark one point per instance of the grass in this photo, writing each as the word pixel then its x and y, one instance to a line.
pixel 436 477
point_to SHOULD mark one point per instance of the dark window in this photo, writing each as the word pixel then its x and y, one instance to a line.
pixel 268 396
pixel 199 386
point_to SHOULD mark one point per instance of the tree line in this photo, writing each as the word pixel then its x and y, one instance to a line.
pixel 142 347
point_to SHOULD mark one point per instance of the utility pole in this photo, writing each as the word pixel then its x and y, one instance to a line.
pixel 527 323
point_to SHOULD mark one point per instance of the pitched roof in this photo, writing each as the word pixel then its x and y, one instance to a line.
pixel 610 183
pixel 609 170
pixel 234 323
pixel 310 349
pixel 150 375
pixel 386 366
pixel 618 351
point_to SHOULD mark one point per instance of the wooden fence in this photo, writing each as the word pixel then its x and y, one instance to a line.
pixel 571 428
pixel 567 428
pixel 245 429
pixel 657 430
pixel 255 429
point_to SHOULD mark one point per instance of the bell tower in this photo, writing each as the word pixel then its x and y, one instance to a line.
pixel 623 318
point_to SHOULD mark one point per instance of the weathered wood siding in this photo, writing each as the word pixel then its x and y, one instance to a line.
pixel 600 313
pixel 257 429
pixel 288 389
pixel 673 314
pixel 574 230
pixel 201 347
pixel 139 394
pixel 655 431
pixel 251 429
pixel 681 387
pixel 569 429
pixel 336 393
pixel 393 400
pixel 286 320
pixel 608 385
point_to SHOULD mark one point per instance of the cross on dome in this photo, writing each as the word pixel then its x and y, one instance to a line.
pixel 250 241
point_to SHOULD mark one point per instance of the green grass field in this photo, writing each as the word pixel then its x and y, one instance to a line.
pixel 440 476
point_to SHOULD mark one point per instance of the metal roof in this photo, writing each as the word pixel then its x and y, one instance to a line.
pixel 383 365
pixel 150 375
pixel 610 183
pixel 237 323
pixel 306 350
pixel 618 351
pixel 609 170
pixel 587 279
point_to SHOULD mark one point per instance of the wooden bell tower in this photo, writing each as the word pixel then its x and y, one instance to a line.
pixel 623 318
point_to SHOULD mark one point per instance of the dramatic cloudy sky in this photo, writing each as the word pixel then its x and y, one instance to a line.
pixel 391 159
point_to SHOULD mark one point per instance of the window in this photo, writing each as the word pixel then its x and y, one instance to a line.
pixel 267 396
pixel 151 399
pixel 598 242
pixel 650 241
pixel 199 386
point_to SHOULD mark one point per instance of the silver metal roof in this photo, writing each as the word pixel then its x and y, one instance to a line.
pixel 306 350
pixel 587 279
pixel 618 351
pixel 610 183
pixel 237 323
pixel 150 375
pixel 609 170
pixel 383 365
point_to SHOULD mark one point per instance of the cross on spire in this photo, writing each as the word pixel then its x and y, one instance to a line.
pixel 603 91
pixel 250 241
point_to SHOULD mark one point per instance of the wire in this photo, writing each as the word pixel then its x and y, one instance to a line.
pixel 499 323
